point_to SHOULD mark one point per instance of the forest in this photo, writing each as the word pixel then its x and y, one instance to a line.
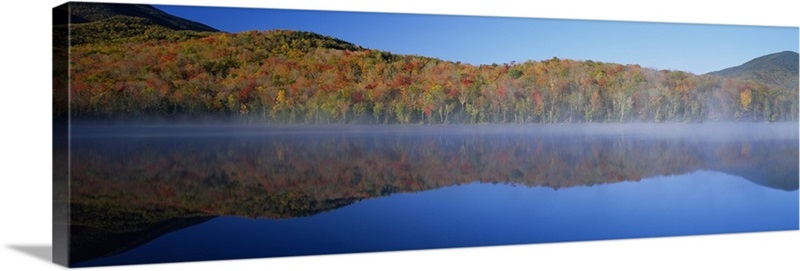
pixel 283 76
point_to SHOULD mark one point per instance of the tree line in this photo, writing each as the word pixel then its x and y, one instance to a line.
pixel 285 76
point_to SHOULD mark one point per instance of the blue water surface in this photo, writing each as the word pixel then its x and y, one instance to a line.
pixel 483 214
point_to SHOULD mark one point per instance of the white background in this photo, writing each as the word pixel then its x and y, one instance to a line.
pixel 25 229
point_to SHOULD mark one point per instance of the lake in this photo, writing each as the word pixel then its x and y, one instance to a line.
pixel 165 193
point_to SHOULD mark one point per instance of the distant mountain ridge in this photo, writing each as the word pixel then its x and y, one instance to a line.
pixel 101 23
pixel 80 12
pixel 779 69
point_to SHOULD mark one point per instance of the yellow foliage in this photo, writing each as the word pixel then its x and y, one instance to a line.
pixel 746 99
pixel 281 98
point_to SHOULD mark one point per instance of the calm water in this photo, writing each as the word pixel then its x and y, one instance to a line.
pixel 145 194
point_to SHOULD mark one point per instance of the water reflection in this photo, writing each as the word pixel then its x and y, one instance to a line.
pixel 129 180
pixel 490 214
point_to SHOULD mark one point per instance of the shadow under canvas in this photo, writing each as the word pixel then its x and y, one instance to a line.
pixel 42 252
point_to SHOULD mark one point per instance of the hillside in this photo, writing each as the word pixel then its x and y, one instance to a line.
pixel 780 69
pixel 135 67
pixel 115 23
pixel 91 12
pixel 300 77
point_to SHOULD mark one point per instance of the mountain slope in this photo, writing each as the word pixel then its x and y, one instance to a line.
pixel 114 23
pixel 91 12
pixel 137 67
pixel 284 76
pixel 780 69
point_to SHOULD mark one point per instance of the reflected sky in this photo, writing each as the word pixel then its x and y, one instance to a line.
pixel 481 214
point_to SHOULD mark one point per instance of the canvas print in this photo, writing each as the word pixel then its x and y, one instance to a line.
pixel 188 133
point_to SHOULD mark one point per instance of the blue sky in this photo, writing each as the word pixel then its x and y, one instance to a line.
pixel 697 48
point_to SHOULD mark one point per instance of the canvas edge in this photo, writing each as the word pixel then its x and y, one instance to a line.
pixel 61 148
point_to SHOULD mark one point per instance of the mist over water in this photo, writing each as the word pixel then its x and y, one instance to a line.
pixel 709 130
